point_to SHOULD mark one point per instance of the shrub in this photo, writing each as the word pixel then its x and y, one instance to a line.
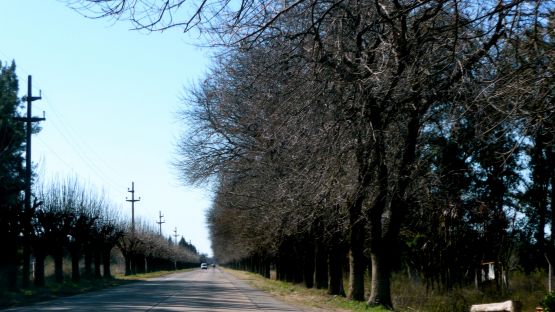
pixel 548 302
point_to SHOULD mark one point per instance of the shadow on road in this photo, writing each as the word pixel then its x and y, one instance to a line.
pixel 211 293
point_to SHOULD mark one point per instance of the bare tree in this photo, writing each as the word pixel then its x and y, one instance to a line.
pixel 390 64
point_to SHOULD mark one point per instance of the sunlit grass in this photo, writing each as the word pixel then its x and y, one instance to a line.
pixel 408 295
pixel 298 294
pixel 142 276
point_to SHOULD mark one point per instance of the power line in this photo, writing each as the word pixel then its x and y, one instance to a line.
pixel 79 147
pixel 73 143
pixel 51 150
pixel 64 161
pixel 80 144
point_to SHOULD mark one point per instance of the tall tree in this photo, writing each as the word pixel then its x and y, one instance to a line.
pixel 392 64
pixel 12 138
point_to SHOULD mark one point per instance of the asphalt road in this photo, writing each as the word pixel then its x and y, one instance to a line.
pixel 199 290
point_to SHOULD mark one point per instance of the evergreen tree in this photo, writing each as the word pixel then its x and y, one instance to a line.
pixel 12 138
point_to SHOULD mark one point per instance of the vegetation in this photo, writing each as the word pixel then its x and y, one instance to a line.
pixel 12 137
pixel 407 295
pixel 68 221
pixel 300 295
pixel 548 302
pixel 383 137
pixel 401 136
pixel 55 290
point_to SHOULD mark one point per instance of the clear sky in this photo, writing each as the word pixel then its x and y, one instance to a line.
pixel 110 95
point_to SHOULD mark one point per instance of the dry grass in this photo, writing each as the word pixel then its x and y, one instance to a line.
pixel 307 299
pixel 144 276
pixel 407 296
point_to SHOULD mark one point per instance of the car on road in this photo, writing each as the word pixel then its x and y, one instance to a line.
pixel 204 266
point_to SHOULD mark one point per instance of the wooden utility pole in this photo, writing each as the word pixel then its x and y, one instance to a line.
pixel 175 259
pixel 28 166
pixel 175 235
pixel 132 200
pixel 160 222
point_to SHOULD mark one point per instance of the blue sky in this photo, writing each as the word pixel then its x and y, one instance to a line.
pixel 110 95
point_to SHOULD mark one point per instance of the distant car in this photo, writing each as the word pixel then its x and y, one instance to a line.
pixel 204 266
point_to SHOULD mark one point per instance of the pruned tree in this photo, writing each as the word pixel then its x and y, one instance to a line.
pixel 54 223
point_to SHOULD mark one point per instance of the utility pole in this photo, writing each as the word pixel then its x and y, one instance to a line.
pixel 175 259
pixel 175 235
pixel 28 166
pixel 132 200
pixel 160 222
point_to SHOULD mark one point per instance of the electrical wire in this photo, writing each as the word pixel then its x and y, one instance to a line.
pixel 79 147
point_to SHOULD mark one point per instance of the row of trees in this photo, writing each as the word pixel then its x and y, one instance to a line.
pixel 73 220
pixel 67 219
pixel 414 134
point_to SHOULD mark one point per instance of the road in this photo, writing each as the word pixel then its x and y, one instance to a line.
pixel 198 290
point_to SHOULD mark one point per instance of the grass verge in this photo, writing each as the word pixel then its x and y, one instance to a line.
pixel 315 299
pixel 54 290
pixel 143 276
pixel 407 296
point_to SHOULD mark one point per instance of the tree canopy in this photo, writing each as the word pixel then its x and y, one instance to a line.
pixel 391 131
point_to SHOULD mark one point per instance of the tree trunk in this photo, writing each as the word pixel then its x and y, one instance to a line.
pixel 357 265
pixel 356 272
pixel 336 258
pixel 549 273
pixel 40 257
pixel 357 223
pixel 288 271
pixel 321 266
pixel 8 265
pixel 26 269
pixel 551 248
pixel 266 267
pixel 140 264
pixel 59 265
pixel 106 262
pixel 308 266
pixel 295 264
pixel 128 270
pixel 97 262
pixel 380 285
pixel 298 270
pixel 279 268
pixel 88 262
pixel 75 257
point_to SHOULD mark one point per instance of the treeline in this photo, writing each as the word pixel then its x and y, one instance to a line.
pixel 67 220
pixel 411 136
